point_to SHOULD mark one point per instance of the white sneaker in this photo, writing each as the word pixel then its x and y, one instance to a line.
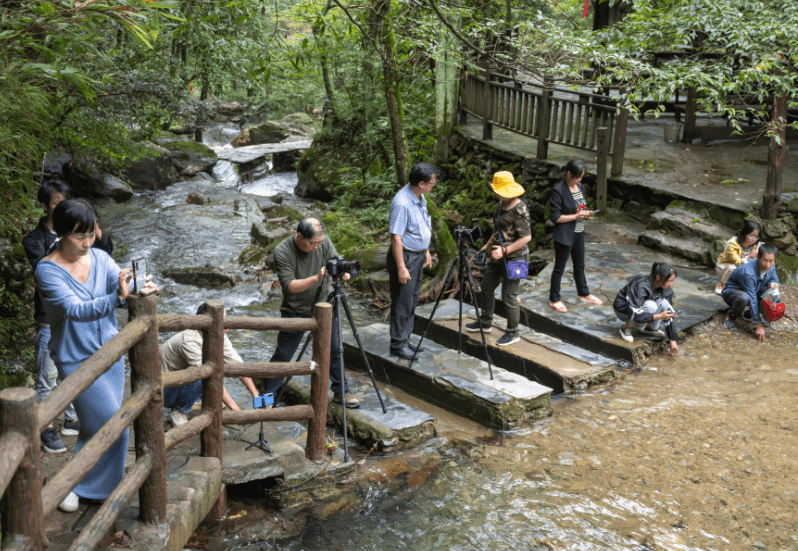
pixel 70 503
pixel 656 333
pixel 626 334
pixel 177 417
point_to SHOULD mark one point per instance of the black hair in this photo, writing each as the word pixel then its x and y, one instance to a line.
pixel 310 228
pixel 767 248
pixel 202 308
pixel 53 185
pixel 661 270
pixel 574 168
pixel 422 172
pixel 74 216
pixel 748 227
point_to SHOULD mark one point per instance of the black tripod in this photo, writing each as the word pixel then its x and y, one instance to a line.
pixel 464 276
pixel 338 298
pixel 261 443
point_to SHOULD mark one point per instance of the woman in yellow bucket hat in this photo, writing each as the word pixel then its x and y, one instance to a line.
pixel 507 243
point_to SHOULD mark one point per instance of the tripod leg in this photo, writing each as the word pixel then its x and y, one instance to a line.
pixel 362 350
pixel 476 309
pixel 337 316
pixel 288 379
pixel 434 308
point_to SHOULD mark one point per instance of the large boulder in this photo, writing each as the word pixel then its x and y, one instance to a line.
pixel 320 172
pixel 153 171
pixel 298 126
pixel 187 154
pixel 99 185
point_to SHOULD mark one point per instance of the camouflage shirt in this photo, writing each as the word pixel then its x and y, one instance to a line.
pixel 513 225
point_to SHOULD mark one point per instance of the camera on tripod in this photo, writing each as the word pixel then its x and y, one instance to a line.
pixel 472 234
pixel 337 266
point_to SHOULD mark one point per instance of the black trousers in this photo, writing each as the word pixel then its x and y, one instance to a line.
pixel 577 253
pixel 287 344
pixel 404 297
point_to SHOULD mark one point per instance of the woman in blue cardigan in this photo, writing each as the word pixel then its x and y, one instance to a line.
pixel 81 287
pixel 568 212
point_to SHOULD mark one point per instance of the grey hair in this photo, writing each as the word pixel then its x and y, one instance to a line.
pixel 310 228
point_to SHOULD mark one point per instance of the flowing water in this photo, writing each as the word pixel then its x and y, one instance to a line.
pixel 692 453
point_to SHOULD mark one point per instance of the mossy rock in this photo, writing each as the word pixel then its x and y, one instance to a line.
pixel 254 255
pixel 787 269
pixel 442 240
pixel 372 259
pixel 346 234
pixel 281 211
pixel 319 172
pixel 187 152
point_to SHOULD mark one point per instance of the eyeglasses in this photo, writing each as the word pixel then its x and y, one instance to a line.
pixel 313 244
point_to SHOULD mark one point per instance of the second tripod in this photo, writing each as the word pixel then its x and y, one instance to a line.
pixel 465 277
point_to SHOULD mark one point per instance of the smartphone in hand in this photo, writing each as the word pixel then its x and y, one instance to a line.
pixel 139 274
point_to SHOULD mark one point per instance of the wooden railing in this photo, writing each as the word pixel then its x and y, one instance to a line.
pixel 25 504
pixel 549 115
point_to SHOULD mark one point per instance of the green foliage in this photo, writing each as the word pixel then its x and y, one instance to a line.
pixel 349 233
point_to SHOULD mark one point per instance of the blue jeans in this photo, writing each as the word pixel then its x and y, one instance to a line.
pixel 287 344
pixel 182 397
pixel 46 372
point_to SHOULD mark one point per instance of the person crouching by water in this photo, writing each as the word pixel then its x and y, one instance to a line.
pixel 569 212
pixel 507 243
pixel 646 302
pixel 80 288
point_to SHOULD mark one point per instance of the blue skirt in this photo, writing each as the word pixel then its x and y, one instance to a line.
pixel 94 408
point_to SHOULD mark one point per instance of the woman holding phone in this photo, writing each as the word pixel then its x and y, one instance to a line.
pixel 569 212
pixel 81 287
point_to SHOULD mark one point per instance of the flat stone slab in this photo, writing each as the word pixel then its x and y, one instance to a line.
pixel 537 357
pixel 457 382
pixel 251 153
pixel 608 267
pixel 400 427
pixel 192 489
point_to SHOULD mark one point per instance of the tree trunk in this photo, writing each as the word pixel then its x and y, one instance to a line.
pixel 329 106
pixel 777 156
pixel 446 93
pixel 393 95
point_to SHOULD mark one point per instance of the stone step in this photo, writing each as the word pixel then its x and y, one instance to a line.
pixel 692 249
pixel 456 382
pixel 608 267
pixel 400 427
pixel 538 356
pixel 688 224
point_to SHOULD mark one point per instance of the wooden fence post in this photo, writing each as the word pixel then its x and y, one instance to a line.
pixel 543 120
pixel 21 508
pixel 601 173
pixel 212 388
pixel 319 380
pixel 487 127
pixel 690 109
pixel 145 370
pixel 619 142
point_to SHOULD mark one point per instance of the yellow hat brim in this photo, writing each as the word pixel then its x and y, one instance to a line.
pixel 508 191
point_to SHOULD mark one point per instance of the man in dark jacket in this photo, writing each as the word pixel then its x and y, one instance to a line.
pixel 647 301
pixel 38 244
pixel 746 285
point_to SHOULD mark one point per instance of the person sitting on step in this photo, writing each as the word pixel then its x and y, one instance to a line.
pixel 185 350
pixel 646 302
pixel 739 250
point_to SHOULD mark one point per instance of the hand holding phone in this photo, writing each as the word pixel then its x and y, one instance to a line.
pixel 139 274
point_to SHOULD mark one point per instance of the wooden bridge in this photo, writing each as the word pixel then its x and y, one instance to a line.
pixel 25 503
pixel 545 113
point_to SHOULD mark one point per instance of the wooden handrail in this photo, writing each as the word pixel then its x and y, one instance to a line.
pixel 267 369
pixel 169 323
pixel 248 416
pixel 84 461
pixel 16 447
pixel 104 518
pixel 187 430
pixel 98 363
pixel 171 379
pixel 270 324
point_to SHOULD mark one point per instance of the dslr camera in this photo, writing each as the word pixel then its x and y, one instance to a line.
pixel 337 266
pixel 260 402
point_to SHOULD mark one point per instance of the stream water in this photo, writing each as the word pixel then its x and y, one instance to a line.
pixel 687 454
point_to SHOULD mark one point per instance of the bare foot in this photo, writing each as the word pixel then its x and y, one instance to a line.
pixel 559 306
pixel 592 299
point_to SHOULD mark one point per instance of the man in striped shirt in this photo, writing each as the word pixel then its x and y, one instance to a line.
pixel 410 226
